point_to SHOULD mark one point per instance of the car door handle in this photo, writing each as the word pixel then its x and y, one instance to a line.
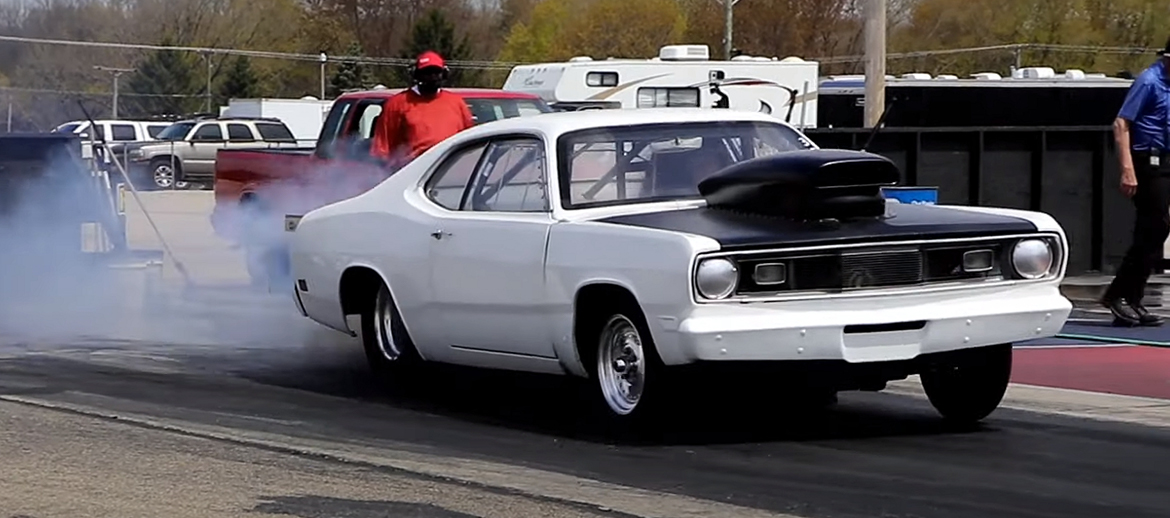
pixel 438 234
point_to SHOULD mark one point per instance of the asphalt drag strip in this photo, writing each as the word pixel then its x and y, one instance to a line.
pixel 1048 452
pixel 65 464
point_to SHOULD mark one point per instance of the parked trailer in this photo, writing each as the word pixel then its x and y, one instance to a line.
pixel 1069 172
pixel 1031 97
pixel 681 76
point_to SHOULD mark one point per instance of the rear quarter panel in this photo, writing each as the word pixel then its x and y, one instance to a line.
pixel 379 230
pixel 654 265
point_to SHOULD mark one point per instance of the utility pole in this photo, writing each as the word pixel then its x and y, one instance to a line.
pixel 207 104
pixel 324 59
pixel 116 72
pixel 728 26
pixel 875 61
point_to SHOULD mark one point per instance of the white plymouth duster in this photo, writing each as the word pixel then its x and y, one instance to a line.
pixel 621 245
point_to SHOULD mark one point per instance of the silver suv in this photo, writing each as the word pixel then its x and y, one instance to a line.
pixel 185 152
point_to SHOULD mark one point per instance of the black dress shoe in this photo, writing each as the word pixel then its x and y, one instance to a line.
pixel 1145 318
pixel 1123 313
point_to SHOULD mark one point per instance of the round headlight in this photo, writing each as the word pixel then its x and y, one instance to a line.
pixel 716 278
pixel 1032 258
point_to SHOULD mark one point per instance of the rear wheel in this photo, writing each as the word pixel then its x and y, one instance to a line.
pixel 389 351
pixel 967 386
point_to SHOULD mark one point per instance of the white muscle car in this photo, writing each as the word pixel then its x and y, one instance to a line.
pixel 617 245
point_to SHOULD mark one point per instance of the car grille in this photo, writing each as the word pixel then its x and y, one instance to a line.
pixel 858 268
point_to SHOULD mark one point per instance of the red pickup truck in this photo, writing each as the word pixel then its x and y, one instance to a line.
pixel 255 188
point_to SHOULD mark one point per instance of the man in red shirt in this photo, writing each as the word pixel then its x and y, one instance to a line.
pixel 417 118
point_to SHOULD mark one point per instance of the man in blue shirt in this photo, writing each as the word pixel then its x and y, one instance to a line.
pixel 1142 132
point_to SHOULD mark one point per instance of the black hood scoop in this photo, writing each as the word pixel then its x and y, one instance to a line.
pixel 808 185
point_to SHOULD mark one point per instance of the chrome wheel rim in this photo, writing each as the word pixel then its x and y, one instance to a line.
pixel 621 365
pixel 384 325
pixel 163 176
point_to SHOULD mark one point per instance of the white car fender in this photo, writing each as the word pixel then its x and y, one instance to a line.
pixel 652 265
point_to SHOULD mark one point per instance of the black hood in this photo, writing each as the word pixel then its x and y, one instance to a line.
pixel 738 230
pixel 819 196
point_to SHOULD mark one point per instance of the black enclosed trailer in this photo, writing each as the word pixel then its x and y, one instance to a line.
pixel 957 103
pixel 50 195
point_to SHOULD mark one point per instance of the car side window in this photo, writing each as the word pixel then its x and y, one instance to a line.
pixel 512 178
pixel 448 183
pixel 208 132
pixel 123 132
pixel 154 129
pixel 240 133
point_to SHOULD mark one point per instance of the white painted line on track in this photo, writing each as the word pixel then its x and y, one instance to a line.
pixel 1069 403
pixel 515 479
pixel 1071 346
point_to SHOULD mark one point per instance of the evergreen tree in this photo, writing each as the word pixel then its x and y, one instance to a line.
pixel 240 82
pixel 350 75
pixel 163 74
pixel 435 32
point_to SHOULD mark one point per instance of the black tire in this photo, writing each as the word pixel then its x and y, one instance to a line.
pixel 967 386
pixel 157 168
pixel 390 353
pixel 620 411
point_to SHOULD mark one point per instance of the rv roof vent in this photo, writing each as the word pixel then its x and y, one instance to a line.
pixel 576 59
pixel 685 53
pixel 1074 74
pixel 790 59
pixel 1095 76
pixel 916 75
pixel 742 58
pixel 1037 73
pixel 987 76
pixel 308 98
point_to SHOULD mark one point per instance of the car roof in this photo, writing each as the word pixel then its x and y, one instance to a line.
pixel 470 93
pixel 556 123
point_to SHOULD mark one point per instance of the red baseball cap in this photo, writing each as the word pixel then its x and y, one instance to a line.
pixel 429 59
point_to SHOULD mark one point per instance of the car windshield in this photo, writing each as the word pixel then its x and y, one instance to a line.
pixel 660 162
pixel 487 110
pixel 67 128
pixel 177 131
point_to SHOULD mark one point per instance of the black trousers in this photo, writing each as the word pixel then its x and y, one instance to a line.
pixel 1151 226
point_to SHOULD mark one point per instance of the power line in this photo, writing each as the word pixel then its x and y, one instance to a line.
pixel 506 65
pixel 992 48
pixel 83 93
pixel 363 60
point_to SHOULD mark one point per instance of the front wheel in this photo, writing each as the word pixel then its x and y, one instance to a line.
pixel 164 175
pixel 630 377
pixel 967 386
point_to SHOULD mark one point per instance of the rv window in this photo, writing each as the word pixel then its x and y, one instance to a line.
pixel 671 97
pixel 601 79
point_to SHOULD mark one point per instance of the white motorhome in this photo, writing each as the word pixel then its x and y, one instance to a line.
pixel 681 75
